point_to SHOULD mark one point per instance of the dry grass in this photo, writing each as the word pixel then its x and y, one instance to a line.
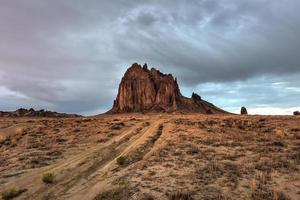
pixel 181 195
pixel 122 160
pixel 48 178
pixel 12 193
pixel 117 193
pixel 187 157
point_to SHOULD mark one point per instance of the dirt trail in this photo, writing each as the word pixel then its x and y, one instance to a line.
pixel 98 182
pixel 65 169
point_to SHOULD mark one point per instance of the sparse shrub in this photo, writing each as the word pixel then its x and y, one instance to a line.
pixel 48 178
pixel 60 140
pixel 102 140
pixel 121 160
pixel 146 123
pixel 278 143
pixel 118 193
pixel 209 172
pixel 56 130
pixel 193 150
pixel 77 130
pixel 262 120
pixel 261 189
pixel 147 197
pixel 117 126
pixel 87 120
pixel 11 193
pixel 280 196
pixel 295 129
pixel 180 196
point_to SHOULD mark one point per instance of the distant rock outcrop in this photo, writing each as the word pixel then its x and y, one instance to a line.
pixel 296 113
pixel 34 113
pixel 144 90
pixel 244 111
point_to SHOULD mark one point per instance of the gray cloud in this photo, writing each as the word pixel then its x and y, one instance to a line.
pixel 70 55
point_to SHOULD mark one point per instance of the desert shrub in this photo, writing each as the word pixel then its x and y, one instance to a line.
pixel 180 196
pixel 193 150
pixel 262 190
pixel 77 130
pixel 118 193
pixel 209 172
pixel 265 193
pixel 87 120
pixel 146 123
pixel 48 178
pixel 102 140
pixel 280 196
pixel 117 126
pixel 147 197
pixel 11 193
pixel 275 163
pixel 295 129
pixel 278 143
pixel 121 160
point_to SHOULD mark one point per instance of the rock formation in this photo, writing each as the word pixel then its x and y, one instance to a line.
pixel 296 113
pixel 244 111
pixel 144 90
pixel 34 113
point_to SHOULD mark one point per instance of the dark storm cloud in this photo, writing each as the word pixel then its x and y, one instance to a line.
pixel 70 55
pixel 231 40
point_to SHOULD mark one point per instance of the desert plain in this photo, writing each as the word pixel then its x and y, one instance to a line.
pixel 151 156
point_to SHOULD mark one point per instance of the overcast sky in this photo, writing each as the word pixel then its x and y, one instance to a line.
pixel 69 55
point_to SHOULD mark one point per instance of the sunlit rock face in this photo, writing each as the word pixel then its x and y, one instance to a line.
pixel 144 90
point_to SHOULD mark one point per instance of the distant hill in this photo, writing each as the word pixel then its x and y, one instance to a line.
pixel 34 113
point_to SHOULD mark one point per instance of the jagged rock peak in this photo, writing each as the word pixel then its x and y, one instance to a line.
pixel 196 97
pixel 144 90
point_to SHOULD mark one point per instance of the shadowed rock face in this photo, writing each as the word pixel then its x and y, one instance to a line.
pixel 244 111
pixel 144 90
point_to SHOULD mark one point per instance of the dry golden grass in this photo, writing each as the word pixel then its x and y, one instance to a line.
pixel 166 157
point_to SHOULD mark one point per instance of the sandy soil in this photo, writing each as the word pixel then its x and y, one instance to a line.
pixel 152 157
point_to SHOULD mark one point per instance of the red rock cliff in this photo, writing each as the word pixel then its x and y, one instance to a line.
pixel 144 90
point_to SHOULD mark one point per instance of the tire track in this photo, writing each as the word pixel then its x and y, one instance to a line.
pixel 97 182
pixel 65 169
pixel 94 163
pixel 144 148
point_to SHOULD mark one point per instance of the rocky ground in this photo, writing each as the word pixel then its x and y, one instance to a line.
pixel 151 157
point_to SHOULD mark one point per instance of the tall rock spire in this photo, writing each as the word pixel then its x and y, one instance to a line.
pixel 144 90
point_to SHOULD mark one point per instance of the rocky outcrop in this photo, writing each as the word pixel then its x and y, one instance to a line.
pixel 244 111
pixel 296 113
pixel 34 113
pixel 144 90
